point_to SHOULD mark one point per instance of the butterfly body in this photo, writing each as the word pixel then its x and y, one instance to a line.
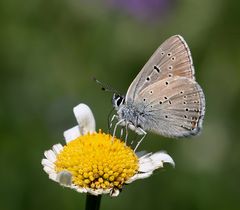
pixel 135 115
pixel 164 98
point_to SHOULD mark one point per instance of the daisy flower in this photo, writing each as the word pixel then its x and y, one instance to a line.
pixel 95 162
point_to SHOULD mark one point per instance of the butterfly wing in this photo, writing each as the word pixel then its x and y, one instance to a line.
pixel 172 58
pixel 173 107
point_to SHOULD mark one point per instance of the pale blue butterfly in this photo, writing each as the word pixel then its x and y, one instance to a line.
pixel 164 98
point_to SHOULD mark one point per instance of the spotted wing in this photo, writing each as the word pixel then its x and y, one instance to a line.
pixel 172 58
pixel 172 107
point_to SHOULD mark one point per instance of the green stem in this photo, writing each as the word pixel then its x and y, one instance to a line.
pixel 93 202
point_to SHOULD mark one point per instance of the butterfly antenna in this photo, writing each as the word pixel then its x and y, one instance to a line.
pixel 105 87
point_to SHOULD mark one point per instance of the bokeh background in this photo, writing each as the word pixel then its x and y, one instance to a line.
pixel 49 52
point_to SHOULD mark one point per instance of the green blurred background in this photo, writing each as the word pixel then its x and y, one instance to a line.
pixel 49 52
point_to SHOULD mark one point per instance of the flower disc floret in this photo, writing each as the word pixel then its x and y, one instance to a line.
pixel 98 161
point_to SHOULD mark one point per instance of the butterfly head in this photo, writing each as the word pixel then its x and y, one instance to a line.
pixel 118 100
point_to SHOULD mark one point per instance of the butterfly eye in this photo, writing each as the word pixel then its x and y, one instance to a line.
pixel 119 100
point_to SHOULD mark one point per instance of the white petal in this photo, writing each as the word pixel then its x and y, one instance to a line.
pixel 72 133
pixel 161 157
pixel 84 118
pixel 114 192
pixel 146 164
pixel 95 192
pixel 106 191
pixel 139 176
pixel 48 170
pixel 57 148
pixel 46 162
pixel 79 189
pixel 53 176
pixel 64 178
pixel 50 155
pixel 154 161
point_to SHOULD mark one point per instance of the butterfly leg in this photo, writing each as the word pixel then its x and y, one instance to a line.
pixel 139 142
pixel 121 133
pixel 115 127
pixel 111 121
pixel 126 135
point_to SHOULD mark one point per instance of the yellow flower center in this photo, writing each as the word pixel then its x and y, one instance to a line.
pixel 97 161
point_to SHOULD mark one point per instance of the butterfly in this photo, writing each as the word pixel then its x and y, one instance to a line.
pixel 165 97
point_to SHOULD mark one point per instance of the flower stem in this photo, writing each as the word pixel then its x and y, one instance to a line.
pixel 93 202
